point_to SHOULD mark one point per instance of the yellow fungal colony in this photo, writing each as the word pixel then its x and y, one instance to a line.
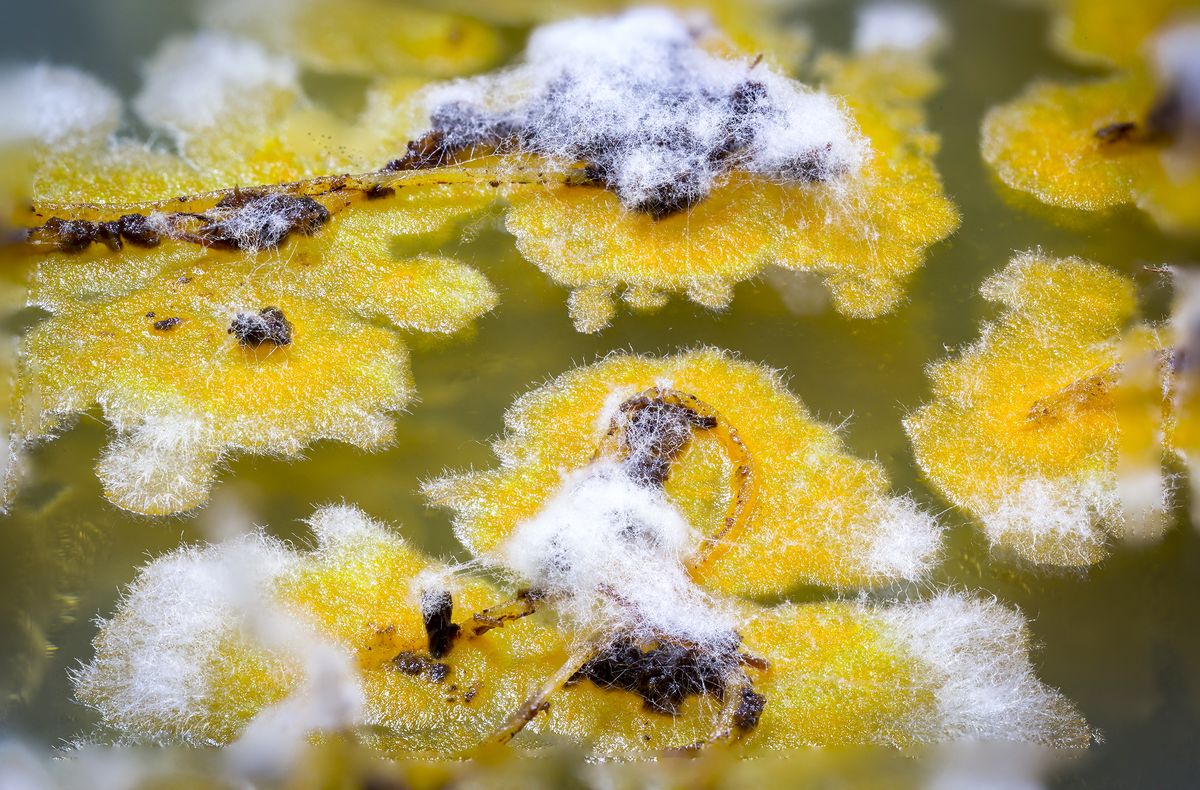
pixel 806 511
pixel 1127 138
pixel 174 377
pixel 1028 425
pixel 212 640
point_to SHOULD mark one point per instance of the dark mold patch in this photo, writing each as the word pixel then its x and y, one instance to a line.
pixel 646 113
pixel 749 709
pixel 167 323
pixel 1116 132
pixel 252 220
pixel 436 610
pixel 664 675
pixel 455 129
pixel 74 235
pixel 268 325
pixel 416 664
pixel 655 433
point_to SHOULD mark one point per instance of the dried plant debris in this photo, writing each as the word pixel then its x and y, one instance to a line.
pixel 755 496
pixel 1132 137
pixel 1049 428
pixel 341 636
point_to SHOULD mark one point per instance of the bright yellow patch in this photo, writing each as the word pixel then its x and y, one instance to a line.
pixel 836 678
pixel 363 37
pixel 820 516
pixel 1022 431
pixel 1056 141
pixel 1111 32
pixel 1045 143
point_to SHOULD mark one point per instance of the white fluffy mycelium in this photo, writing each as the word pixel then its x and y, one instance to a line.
pixel 54 106
pixel 653 115
pixel 908 27
pixel 985 685
pixel 610 552
pixel 197 618
pixel 193 83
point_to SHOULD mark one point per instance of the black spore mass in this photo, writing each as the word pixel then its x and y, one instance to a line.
pixel 268 325
pixel 437 609
pixel 664 675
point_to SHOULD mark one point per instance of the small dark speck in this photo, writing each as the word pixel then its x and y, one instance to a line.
pixel 470 695
pixel 184 280
pixel 645 737
pixel 493 184
pixel 150 314
pixel 168 323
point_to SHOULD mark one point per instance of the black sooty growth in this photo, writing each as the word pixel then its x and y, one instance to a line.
pixel 268 325
pixel 248 220
pixel 73 235
pixel 665 674
pixel 437 610
pixel 655 433
pixel 252 220
pixel 647 112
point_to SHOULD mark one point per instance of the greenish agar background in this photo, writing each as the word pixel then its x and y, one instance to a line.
pixel 1122 640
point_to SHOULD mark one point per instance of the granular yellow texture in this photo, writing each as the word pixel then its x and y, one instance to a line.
pixel 864 234
pixel 819 516
pixel 1050 142
pixel 362 37
pixel 1092 145
pixel 1025 424
pixel 185 392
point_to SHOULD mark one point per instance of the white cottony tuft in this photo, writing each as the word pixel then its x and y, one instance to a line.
pixel 898 26
pixel 907 540
pixel 612 552
pixel 986 686
pixel 1062 518
pixel 193 83
pixel 177 617
pixel 655 116
pixel 170 665
pixel 54 105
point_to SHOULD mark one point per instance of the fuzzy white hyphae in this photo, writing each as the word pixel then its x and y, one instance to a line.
pixel 194 621
pixel 55 106
pixel 977 654
pixel 655 116
pixel 195 83
pixel 897 26
pixel 611 553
